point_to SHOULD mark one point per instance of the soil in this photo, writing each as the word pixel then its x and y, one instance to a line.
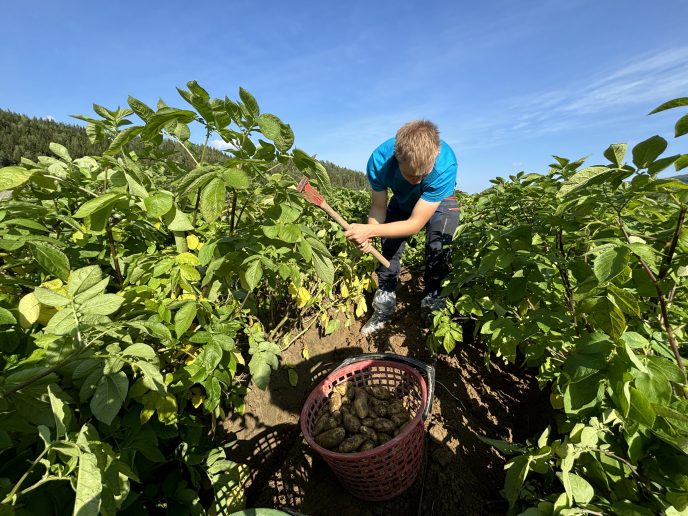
pixel 460 473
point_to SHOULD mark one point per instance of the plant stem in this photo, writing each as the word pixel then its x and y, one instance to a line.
pixel 11 494
pixel 113 254
pixel 674 241
pixel 662 302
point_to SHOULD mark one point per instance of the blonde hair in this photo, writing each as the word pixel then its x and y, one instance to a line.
pixel 417 145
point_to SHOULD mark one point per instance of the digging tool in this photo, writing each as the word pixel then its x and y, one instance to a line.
pixel 314 197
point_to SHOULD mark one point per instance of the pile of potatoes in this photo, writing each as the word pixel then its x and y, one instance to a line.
pixel 357 419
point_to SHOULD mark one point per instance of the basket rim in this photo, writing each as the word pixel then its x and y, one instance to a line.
pixel 378 449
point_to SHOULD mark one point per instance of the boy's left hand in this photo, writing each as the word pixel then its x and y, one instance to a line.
pixel 358 233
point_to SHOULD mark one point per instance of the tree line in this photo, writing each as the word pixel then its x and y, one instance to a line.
pixel 29 137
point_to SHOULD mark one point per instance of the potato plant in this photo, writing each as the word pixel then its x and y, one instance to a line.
pixel 582 273
pixel 140 299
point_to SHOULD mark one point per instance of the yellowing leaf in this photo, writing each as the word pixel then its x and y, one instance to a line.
pixel 29 310
pixel 192 242
pixel 361 307
pixel 77 236
pixel 302 297
pixel 52 284
pixel 305 353
pixel 197 396
pixel 239 358
pixel 293 290
pixel 344 289
pixel 187 259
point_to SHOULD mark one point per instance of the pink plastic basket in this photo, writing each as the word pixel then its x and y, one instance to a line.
pixel 387 470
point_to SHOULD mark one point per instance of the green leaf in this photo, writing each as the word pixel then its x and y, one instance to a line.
pixel 141 351
pixel 104 304
pixel 640 409
pixel 293 377
pixel 683 101
pixel 648 150
pixel 616 153
pixel 264 359
pixel 49 298
pixel 110 394
pixel 213 199
pixel 60 151
pixel 89 486
pixel 99 203
pixel 62 323
pixel 608 317
pixel 269 126
pixel 625 300
pixel 152 377
pixel 12 177
pixel 142 110
pixel 180 221
pixel 579 179
pixel 212 354
pixel 504 446
pixel 515 477
pixel 609 264
pixel 250 102
pixel 6 317
pixel 681 126
pixel 51 259
pixel 581 489
pixel 184 317
pixel 122 138
pixel 252 274
pixel 681 162
pixel 158 203
pixel 61 414
pixel 235 178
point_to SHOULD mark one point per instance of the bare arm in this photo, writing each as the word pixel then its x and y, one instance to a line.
pixel 420 216
pixel 378 207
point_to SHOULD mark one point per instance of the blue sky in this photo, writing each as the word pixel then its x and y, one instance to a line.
pixel 509 83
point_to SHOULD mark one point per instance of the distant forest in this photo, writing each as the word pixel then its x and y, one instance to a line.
pixel 22 136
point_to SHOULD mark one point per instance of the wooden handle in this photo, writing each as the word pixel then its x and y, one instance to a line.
pixel 339 220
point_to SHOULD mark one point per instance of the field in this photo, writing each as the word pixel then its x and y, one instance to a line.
pixel 161 324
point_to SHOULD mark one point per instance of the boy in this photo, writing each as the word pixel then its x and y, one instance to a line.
pixel 420 170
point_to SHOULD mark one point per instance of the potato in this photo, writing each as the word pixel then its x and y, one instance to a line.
pixel 335 402
pixel 361 403
pixel 368 421
pixel 383 425
pixel 381 393
pixel 400 418
pixel 324 423
pixel 332 438
pixel 378 407
pixel 351 443
pixel 368 445
pixel 346 389
pixel 382 437
pixel 351 423
pixel 395 407
pixel 337 415
pixel 368 432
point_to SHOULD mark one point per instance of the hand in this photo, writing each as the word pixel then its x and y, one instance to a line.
pixel 359 234
pixel 365 247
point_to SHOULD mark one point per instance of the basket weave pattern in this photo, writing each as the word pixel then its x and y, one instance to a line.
pixel 387 470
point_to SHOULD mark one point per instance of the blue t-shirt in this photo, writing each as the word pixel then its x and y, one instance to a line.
pixel 383 172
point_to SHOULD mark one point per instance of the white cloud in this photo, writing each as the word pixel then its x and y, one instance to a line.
pixel 51 118
pixel 221 144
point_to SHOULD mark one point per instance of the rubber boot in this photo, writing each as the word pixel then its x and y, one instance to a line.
pixel 383 306
pixel 429 305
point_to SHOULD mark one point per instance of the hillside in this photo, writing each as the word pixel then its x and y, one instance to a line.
pixel 23 136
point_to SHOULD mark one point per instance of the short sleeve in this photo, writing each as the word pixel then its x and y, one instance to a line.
pixel 443 186
pixel 378 165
